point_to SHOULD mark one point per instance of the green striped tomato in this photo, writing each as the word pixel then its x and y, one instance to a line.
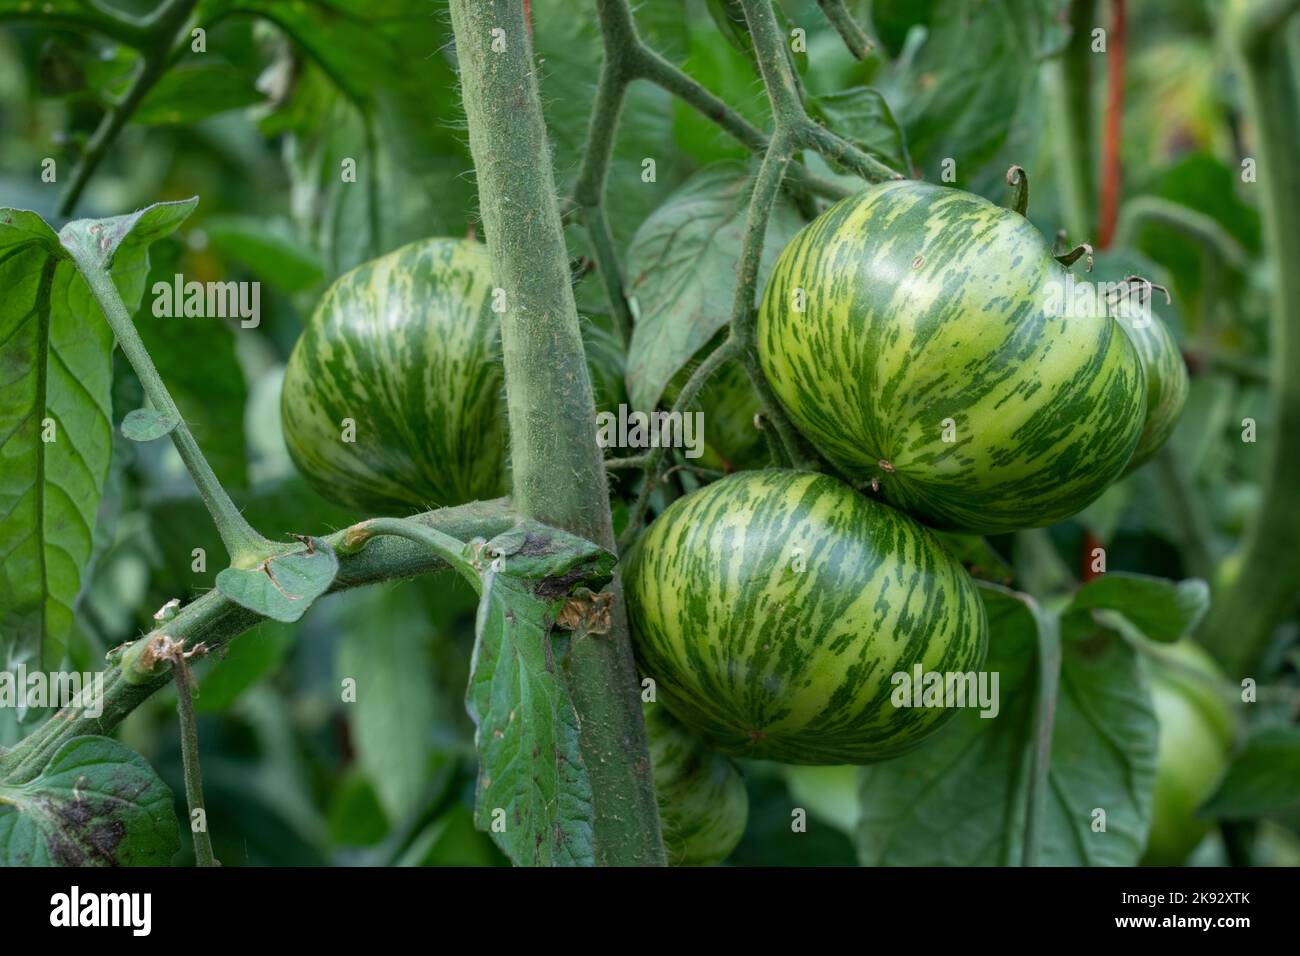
pixel 1196 731
pixel 773 608
pixel 1166 378
pixel 405 346
pixel 926 357
pixel 703 805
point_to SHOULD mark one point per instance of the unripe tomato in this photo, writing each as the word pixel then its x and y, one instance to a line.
pixel 773 609
pixel 1196 729
pixel 703 805
pixel 405 348
pixel 910 333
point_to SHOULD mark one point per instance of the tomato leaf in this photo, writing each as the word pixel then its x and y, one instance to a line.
pixel 55 411
pixel 681 271
pixel 861 115
pixel 970 782
pixel 284 586
pixel 96 803
pixel 534 796
pixel 1262 779
pixel 1161 610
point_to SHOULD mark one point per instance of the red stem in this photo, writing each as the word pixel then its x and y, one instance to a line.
pixel 1110 168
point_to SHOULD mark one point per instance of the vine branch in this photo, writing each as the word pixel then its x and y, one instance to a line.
pixel 214 620
pixel 850 31
pixel 628 58
pixel 184 681
pixel 558 468
pixel 245 546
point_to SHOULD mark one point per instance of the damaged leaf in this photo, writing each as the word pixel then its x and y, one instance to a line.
pixel 533 793
pixel 96 803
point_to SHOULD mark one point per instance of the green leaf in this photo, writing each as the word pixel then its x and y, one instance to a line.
pixel 96 803
pixel 681 271
pixel 1161 610
pixel 861 115
pixel 126 237
pixel 533 793
pixel 961 799
pixel 194 91
pixel 284 586
pixel 387 648
pixel 196 359
pixel 145 424
pixel 55 412
pixel 972 93
pixel 268 249
pixel 377 87
pixel 566 41
pixel 1263 780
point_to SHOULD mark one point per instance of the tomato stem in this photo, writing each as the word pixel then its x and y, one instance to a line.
pixel 558 470
pixel 850 31
pixel 1244 615
pixel 245 546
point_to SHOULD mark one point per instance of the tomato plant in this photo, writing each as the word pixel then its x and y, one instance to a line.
pixel 611 434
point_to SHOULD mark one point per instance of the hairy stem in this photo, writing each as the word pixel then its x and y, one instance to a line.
pixel 1242 620
pixel 850 31
pixel 215 620
pixel 245 546
pixel 558 469
pixel 184 681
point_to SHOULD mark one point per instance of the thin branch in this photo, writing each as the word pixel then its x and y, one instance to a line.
pixel 850 31
pixel 183 678
pixel 162 32
pixel 245 546
pixel 215 620
pixel 728 350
